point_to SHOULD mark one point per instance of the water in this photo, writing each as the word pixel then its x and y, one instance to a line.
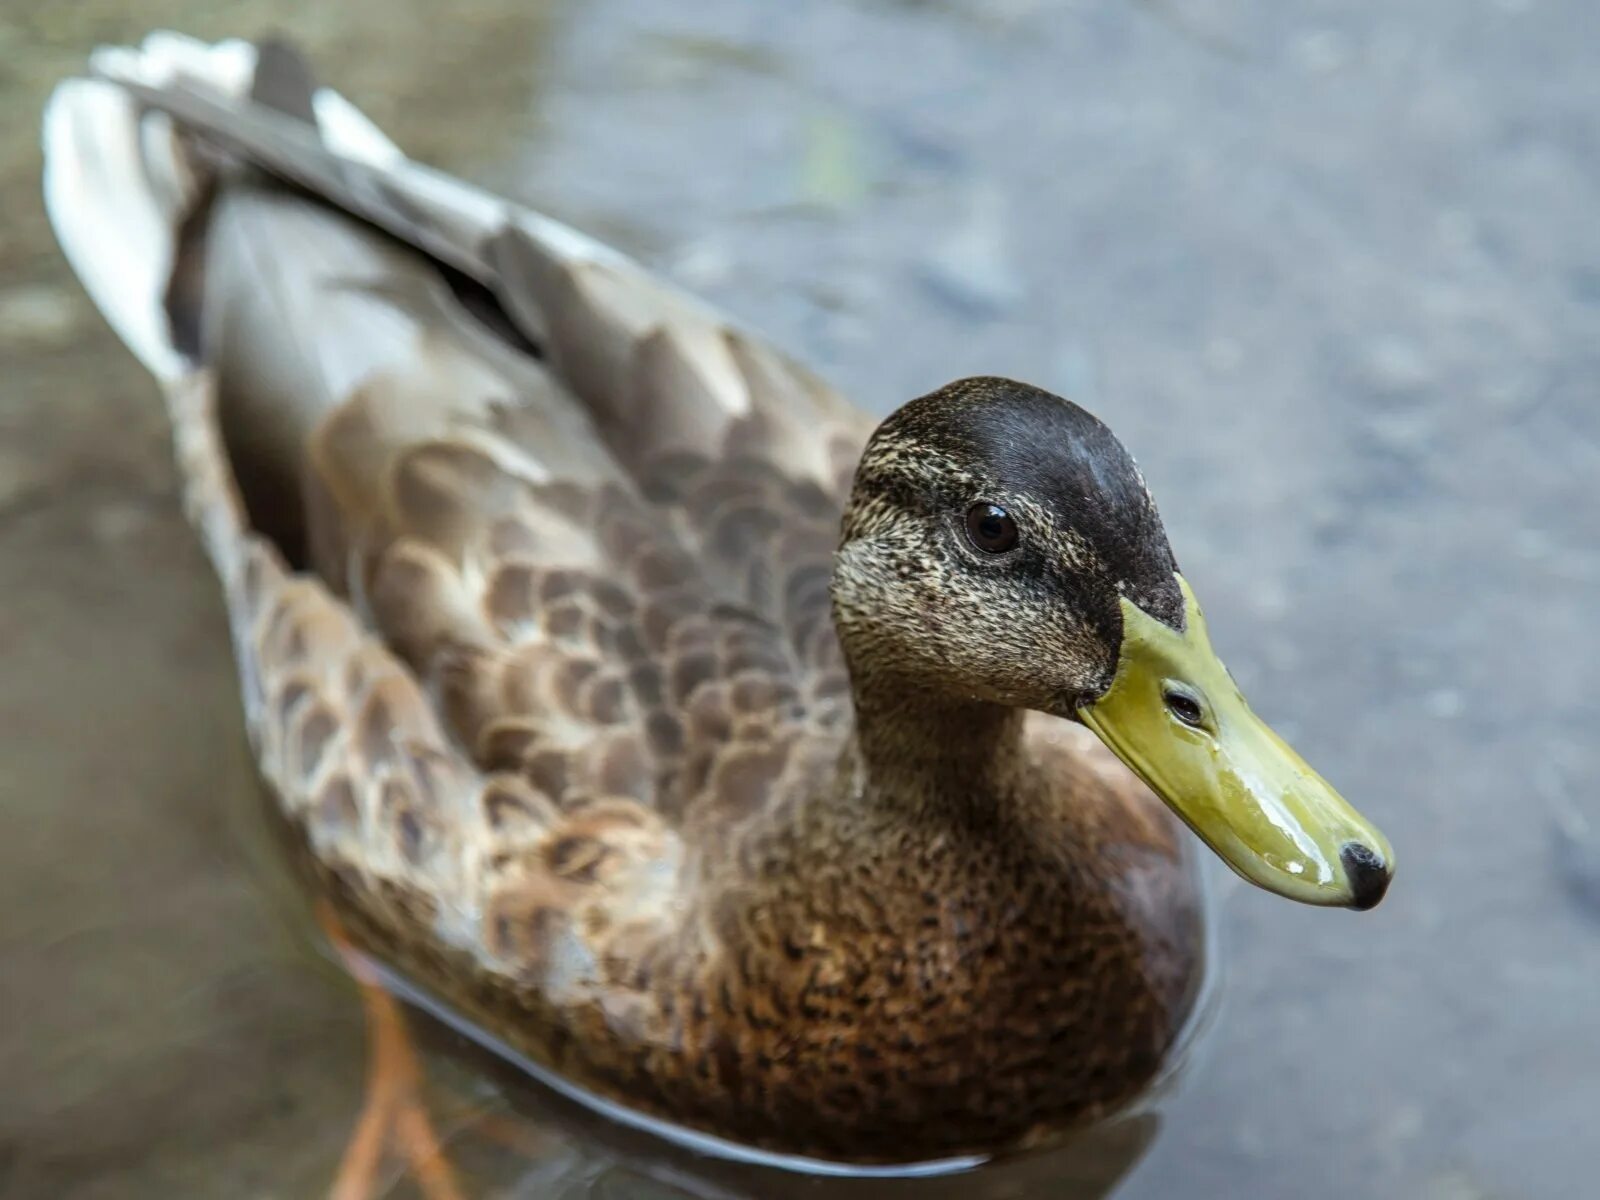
pixel 1332 271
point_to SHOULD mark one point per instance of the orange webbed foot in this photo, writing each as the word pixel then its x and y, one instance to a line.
pixel 393 1113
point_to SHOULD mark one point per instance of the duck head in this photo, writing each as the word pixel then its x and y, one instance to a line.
pixel 1001 546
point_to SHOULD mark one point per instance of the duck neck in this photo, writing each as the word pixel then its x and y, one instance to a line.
pixel 933 754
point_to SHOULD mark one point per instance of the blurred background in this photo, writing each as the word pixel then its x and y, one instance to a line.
pixel 1332 271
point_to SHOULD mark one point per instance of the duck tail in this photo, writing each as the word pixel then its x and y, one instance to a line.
pixel 120 183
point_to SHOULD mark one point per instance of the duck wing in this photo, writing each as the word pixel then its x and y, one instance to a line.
pixel 745 454
pixel 526 555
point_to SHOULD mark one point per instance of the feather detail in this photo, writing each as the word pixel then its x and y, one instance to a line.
pixel 488 582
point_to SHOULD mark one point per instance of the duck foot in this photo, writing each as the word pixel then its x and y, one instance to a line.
pixel 393 1112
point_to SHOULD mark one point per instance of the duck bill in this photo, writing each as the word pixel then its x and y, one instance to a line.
pixel 1174 715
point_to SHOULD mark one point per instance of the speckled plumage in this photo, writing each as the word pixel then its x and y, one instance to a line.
pixel 587 719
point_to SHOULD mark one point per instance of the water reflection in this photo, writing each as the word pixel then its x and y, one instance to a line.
pixel 525 1140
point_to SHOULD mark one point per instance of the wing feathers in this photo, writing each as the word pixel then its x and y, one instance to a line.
pixel 562 598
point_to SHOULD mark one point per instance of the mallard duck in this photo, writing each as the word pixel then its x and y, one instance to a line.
pixel 741 764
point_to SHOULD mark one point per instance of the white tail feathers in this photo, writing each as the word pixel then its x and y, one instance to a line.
pixel 117 183
pixel 116 225
pixel 166 58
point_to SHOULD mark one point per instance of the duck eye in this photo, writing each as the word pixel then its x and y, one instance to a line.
pixel 1184 706
pixel 991 528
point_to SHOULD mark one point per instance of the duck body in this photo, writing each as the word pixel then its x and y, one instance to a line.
pixel 579 708
pixel 867 990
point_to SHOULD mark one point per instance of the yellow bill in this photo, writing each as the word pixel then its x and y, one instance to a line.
pixel 1175 716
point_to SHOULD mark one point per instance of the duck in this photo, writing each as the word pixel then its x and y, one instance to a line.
pixel 813 784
